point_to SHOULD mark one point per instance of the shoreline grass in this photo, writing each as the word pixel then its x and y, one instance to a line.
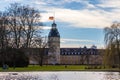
pixel 56 68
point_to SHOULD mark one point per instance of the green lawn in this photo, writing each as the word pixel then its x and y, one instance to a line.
pixel 57 68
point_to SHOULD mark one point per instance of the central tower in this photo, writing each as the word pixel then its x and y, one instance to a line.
pixel 54 45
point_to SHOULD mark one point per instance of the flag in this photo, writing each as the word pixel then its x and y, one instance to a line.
pixel 51 18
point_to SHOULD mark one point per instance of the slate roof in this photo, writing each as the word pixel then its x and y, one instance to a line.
pixel 78 51
pixel 54 32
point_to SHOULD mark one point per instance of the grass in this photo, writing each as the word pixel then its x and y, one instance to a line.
pixel 56 68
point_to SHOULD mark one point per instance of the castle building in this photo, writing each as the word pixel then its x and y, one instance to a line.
pixel 66 56
pixel 57 55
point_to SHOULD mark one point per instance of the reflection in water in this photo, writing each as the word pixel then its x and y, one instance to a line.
pixel 54 77
pixel 62 75
pixel 18 77
pixel 111 76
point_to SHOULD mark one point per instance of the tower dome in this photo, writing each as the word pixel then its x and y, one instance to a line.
pixel 54 32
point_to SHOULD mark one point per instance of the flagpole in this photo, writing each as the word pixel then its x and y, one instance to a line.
pixel 54 17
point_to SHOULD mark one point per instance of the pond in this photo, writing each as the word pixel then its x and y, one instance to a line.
pixel 60 75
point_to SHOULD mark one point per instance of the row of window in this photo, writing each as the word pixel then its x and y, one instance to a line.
pixel 78 53
pixel 77 50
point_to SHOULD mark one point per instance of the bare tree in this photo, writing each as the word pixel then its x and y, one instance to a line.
pixel 29 20
pixel 23 21
pixel 14 22
pixel 18 29
pixel 41 44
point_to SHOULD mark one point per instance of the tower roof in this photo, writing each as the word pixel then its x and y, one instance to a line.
pixel 54 31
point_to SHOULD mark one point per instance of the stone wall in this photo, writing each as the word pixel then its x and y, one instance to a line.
pixel 81 59
pixel 65 59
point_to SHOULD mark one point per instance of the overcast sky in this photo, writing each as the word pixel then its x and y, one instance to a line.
pixel 80 22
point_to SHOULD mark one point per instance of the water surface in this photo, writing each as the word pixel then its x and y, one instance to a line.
pixel 60 75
